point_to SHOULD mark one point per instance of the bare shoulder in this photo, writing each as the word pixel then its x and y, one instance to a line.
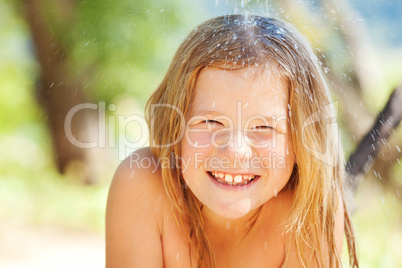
pixel 135 212
pixel 140 173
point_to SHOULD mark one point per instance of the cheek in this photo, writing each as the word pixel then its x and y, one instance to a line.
pixel 199 136
pixel 280 156
pixel 187 170
pixel 194 148
pixel 191 160
pixel 198 139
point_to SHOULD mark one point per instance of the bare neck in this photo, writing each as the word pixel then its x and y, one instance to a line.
pixel 230 229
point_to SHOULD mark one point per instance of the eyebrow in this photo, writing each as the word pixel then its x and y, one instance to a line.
pixel 207 113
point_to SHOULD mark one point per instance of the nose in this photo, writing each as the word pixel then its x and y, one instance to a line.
pixel 234 145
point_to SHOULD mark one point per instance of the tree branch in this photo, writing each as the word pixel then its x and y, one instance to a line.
pixel 369 146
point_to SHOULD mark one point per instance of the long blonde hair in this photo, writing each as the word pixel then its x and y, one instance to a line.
pixel 235 42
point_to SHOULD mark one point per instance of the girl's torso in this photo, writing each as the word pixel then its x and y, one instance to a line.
pixel 141 229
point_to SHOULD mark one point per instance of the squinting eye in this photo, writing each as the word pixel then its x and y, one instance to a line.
pixel 212 122
pixel 262 128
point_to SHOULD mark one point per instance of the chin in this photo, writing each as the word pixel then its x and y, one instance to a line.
pixel 235 210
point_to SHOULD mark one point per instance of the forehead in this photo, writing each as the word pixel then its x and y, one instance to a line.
pixel 259 91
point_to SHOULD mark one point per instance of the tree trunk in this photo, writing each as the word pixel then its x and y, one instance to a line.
pixel 57 90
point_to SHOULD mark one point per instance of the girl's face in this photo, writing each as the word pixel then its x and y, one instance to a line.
pixel 237 150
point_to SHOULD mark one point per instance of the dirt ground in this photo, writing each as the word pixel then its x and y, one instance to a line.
pixel 30 246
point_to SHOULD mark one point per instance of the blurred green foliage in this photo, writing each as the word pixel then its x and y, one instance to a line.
pixel 124 46
pixel 119 49
pixel 378 224
pixel 16 73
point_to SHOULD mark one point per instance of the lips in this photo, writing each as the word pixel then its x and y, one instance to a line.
pixel 232 179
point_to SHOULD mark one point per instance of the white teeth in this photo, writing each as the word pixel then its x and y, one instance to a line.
pixel 238 178
pixel 250 177
pixel 228 178
pixel 232 179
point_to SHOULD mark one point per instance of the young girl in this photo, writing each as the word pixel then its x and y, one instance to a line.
pixel 243 169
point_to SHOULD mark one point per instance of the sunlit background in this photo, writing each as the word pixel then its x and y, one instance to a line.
pixel 55 55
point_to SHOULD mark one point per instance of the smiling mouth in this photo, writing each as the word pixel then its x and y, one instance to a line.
pixel 232 179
